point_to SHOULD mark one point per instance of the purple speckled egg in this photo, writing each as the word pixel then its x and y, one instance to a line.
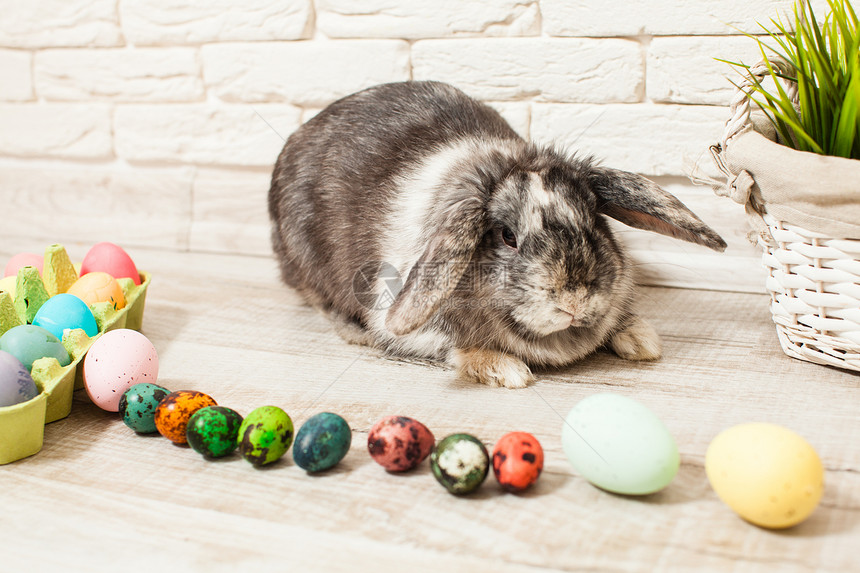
pixel 398 443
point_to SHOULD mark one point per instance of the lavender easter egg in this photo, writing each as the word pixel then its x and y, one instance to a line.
pixel 16 385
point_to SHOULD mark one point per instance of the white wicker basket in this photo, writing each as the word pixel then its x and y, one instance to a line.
pixel 813 279
pixel 814 284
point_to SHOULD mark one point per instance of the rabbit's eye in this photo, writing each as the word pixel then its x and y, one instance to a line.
pixel 509 238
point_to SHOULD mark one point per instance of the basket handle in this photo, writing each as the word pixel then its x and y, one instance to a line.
pixel 740 105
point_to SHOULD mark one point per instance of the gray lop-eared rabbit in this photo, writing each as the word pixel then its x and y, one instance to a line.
pixel 506 256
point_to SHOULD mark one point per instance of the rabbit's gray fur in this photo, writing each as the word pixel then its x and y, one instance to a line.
pixel 422 177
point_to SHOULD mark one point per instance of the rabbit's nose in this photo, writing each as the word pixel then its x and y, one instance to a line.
pixel 572 301
pixel 579 321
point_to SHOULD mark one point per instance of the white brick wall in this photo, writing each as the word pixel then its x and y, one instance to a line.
pixel 538 69
pixel 660 17
pixel 683 70
pixel 120 75
pixel 179 22
pixel 105 97
pixel 438 19
pixel 40 24
pixel 203 134
pixel 74 131
pixel 16 68
pixel 304 73
pixel 644 138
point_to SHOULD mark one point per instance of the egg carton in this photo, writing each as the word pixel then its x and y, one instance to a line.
pixel 22 426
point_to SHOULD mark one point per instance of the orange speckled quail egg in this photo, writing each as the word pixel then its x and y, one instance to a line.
pixel 767 474
pixel 98 287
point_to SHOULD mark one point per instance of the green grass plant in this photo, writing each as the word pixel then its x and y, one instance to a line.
pixel 823 58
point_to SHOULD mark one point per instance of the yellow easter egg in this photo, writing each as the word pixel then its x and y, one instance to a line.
pixel 767 474
pixel 98 287
pixel 7 284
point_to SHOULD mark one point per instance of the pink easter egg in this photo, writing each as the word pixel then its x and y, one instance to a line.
pixel 115 362
pixel 22 260
pixel 111 259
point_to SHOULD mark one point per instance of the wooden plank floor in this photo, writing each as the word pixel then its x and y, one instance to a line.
pixel 98 496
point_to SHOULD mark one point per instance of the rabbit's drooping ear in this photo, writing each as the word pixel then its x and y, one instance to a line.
pixel 640 203
pixel 437 272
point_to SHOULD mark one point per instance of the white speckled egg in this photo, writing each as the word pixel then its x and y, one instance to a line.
pixel 118 360
pixel 768 474
pixel 619 445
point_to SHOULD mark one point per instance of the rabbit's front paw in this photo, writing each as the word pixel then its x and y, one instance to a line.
pixel 639 341
pixel 492 368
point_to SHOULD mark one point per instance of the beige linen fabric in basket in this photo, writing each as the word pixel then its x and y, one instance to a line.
pixel 816 192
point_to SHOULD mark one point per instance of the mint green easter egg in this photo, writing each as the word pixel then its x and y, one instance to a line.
pixel 619 445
